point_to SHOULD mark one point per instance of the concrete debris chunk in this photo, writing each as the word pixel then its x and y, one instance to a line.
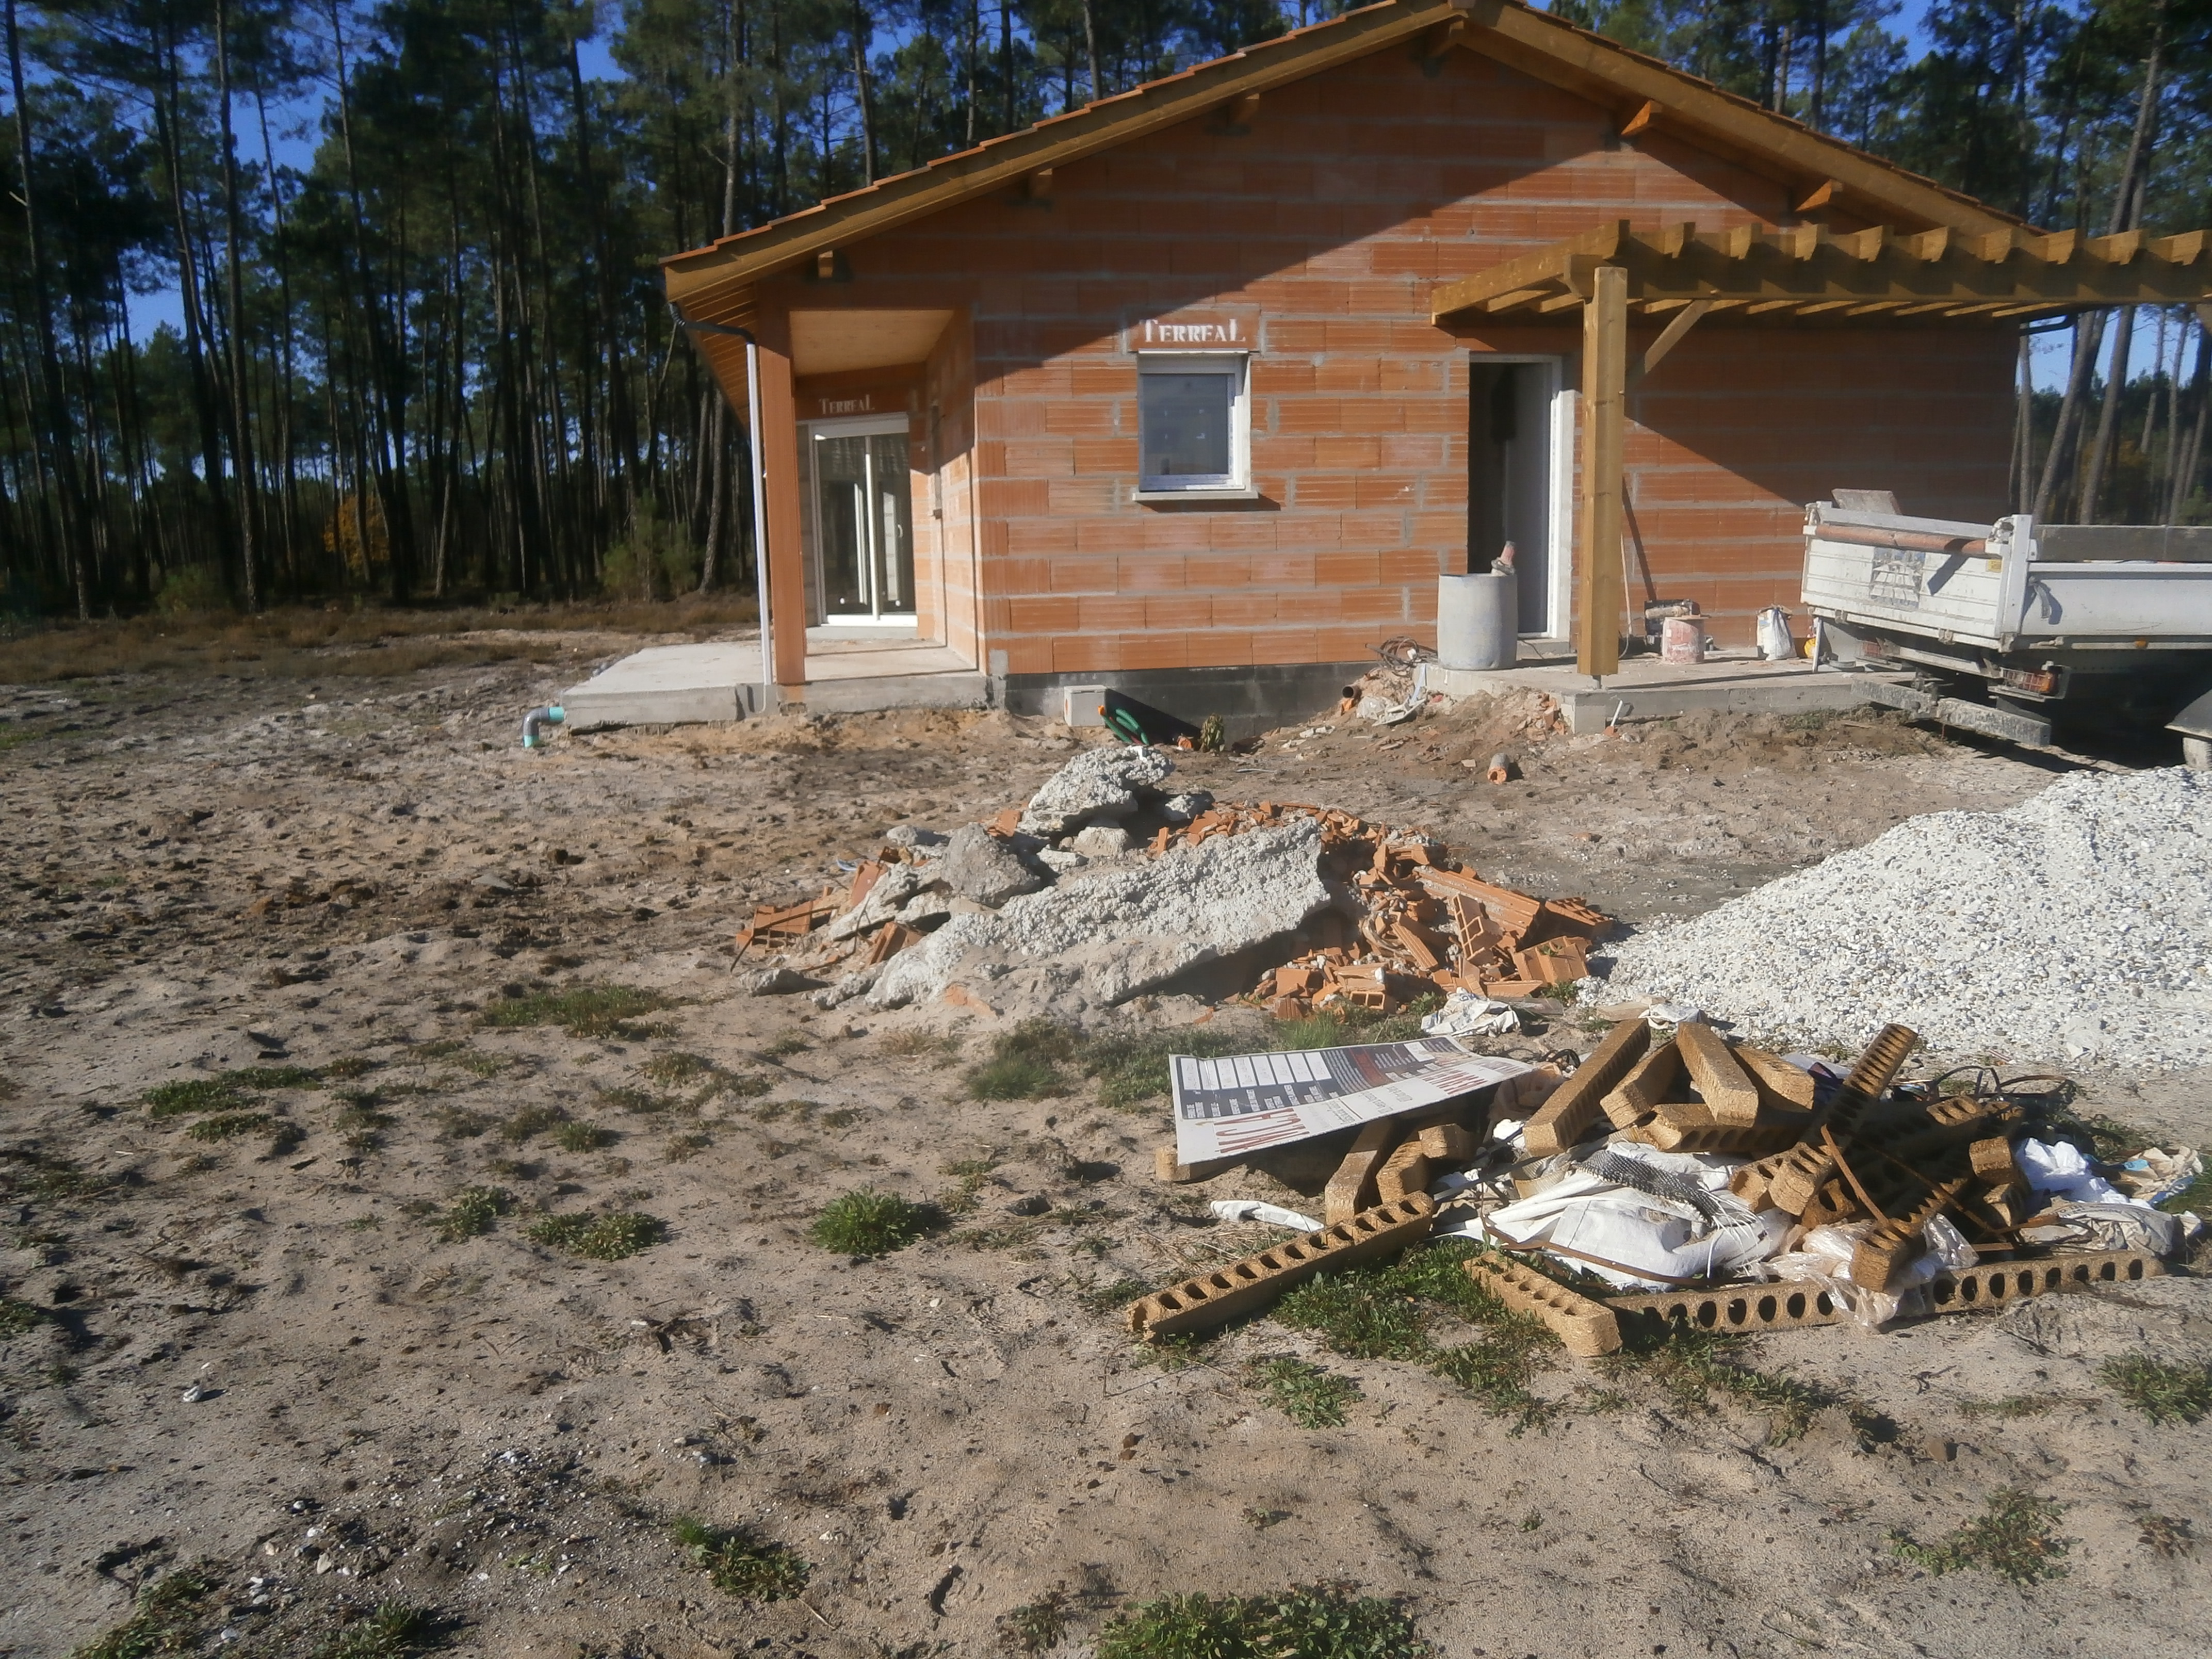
pixel 1101 841
pixel 980 866
pixel 1185 806
pixel 1099 783
pixel 1103 939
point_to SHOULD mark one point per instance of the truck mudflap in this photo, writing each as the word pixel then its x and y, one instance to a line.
pixel 2195 721
pixel 1991 722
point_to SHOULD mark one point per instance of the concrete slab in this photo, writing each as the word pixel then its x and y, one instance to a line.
pixel 684 684
pixel 670 685
pixel 1646 689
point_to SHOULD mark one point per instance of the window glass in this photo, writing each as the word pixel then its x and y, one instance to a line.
pixel 1187 427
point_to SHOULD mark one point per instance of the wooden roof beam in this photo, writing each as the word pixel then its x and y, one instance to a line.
pixel 1544 266
pixel 1644 115
pixel 1820 196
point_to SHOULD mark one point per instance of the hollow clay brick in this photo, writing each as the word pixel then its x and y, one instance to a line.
pixel 1888 1248
pixel 1752 1181
pixel 1791 1304
pixel 1566 1118
pixel 1404 1173
pixel 1451 1143
pixel 1654 1077
pixel 1352 1188
pixel 1729 1094
pixel 1584 1327
pixel 1776 1076
pixel 1722 1139
pixel 1214 1299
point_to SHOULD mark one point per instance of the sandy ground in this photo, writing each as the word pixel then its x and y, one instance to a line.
pixel 217 874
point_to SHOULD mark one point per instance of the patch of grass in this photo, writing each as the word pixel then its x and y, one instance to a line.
pixel 582 1010
pixel 675 1070
pixel 2014 1537
pixel 189 1095
pixel 17 1317
pixel 1035 1626
pixel 395 1630
pixel 1132 1070
pixel 843 1118
pixel 869 1223
pixel 167 1620
pixel 740 1564
pixel 530 1121
pixel 1104 1299
pixel 1387 1312
pixel 790 1043
pixel 1024 1063
pixel 635 1100
pixel 224 1126
pixel 2163 1392
pixel 582 1136
pixel 456 1124
pixel 1692 1364
pixel 473 1211
pixel 942 1047
pixel 2169 1535
pixel 1310 1396
pixel 1308 1621
pixel 2024 1405
pixel 682 1149
pixel 275 1077
pixel 602 1238
pixel 350 1066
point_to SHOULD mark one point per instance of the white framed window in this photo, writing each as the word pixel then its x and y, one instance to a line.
pixel 1194 425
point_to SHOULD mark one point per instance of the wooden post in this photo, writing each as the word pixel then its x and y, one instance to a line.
pixel 1605 373
pixel 786 572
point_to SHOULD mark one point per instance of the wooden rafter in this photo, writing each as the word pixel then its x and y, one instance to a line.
pixel 1810 272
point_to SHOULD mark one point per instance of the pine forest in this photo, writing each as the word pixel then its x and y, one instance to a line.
pixel 411 345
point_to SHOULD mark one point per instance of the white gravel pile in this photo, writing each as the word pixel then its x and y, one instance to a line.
pixel 2076 926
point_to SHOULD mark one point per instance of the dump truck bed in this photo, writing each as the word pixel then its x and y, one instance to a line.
pixel 2013 585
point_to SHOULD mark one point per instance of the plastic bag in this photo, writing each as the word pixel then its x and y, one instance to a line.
pixel 1466 1014
pixel 1823 1257
pixel 1251 1209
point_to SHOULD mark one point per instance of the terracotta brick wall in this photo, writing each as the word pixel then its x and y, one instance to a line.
pixel 1351 197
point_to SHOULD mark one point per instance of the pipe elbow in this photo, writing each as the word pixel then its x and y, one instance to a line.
pixel 535 722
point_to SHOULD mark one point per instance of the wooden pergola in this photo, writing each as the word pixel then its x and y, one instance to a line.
pixel 1807 275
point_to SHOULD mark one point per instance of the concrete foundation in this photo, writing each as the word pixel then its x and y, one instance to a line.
pixel 1249 701
pixel 1646 689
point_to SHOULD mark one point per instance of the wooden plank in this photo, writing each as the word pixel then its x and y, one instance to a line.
pixel 1671 336
pixel 1605 371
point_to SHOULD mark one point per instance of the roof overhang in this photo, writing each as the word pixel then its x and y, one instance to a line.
pixel 1813 273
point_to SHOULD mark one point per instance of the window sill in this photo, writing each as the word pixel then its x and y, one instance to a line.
pixel 1163 497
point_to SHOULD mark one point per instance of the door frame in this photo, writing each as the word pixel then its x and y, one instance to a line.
pixel 1559 404
pixel 855 426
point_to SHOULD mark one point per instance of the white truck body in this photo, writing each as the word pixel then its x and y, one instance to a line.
pixel 2013 586
pixel 2027 608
